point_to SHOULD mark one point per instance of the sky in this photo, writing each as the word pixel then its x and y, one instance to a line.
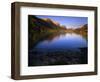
pixel 69 22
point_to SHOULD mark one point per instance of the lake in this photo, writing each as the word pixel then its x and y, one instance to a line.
pixel 60 49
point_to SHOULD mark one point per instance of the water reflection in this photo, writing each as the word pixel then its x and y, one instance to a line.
pixel 67 41
pixel 59 49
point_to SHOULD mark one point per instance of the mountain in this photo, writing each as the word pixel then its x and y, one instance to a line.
pixel 39 24
pixel 51 21
pixel 83 28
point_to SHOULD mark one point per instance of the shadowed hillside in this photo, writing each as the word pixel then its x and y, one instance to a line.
pixel 40 25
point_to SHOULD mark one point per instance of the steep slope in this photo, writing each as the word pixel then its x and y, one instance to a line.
pixel 83 28
pixel 36 23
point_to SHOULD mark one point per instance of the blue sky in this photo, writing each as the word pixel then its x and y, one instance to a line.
pixel 69 22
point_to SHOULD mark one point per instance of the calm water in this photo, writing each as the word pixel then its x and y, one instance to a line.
pixel 68 41
pixel 62 49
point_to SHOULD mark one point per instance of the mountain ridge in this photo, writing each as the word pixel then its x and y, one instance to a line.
pixel 47 24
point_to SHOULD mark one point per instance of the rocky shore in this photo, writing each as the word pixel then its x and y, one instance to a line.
pixel 67 57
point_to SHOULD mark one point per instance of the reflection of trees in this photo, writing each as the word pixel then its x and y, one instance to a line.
pixel 83 34
pixel 38 37
pixel 54 36
pixel 35 36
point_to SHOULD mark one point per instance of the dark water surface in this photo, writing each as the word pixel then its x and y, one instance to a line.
pixel 63 49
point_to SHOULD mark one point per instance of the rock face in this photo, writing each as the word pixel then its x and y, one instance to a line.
pixel 36 23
